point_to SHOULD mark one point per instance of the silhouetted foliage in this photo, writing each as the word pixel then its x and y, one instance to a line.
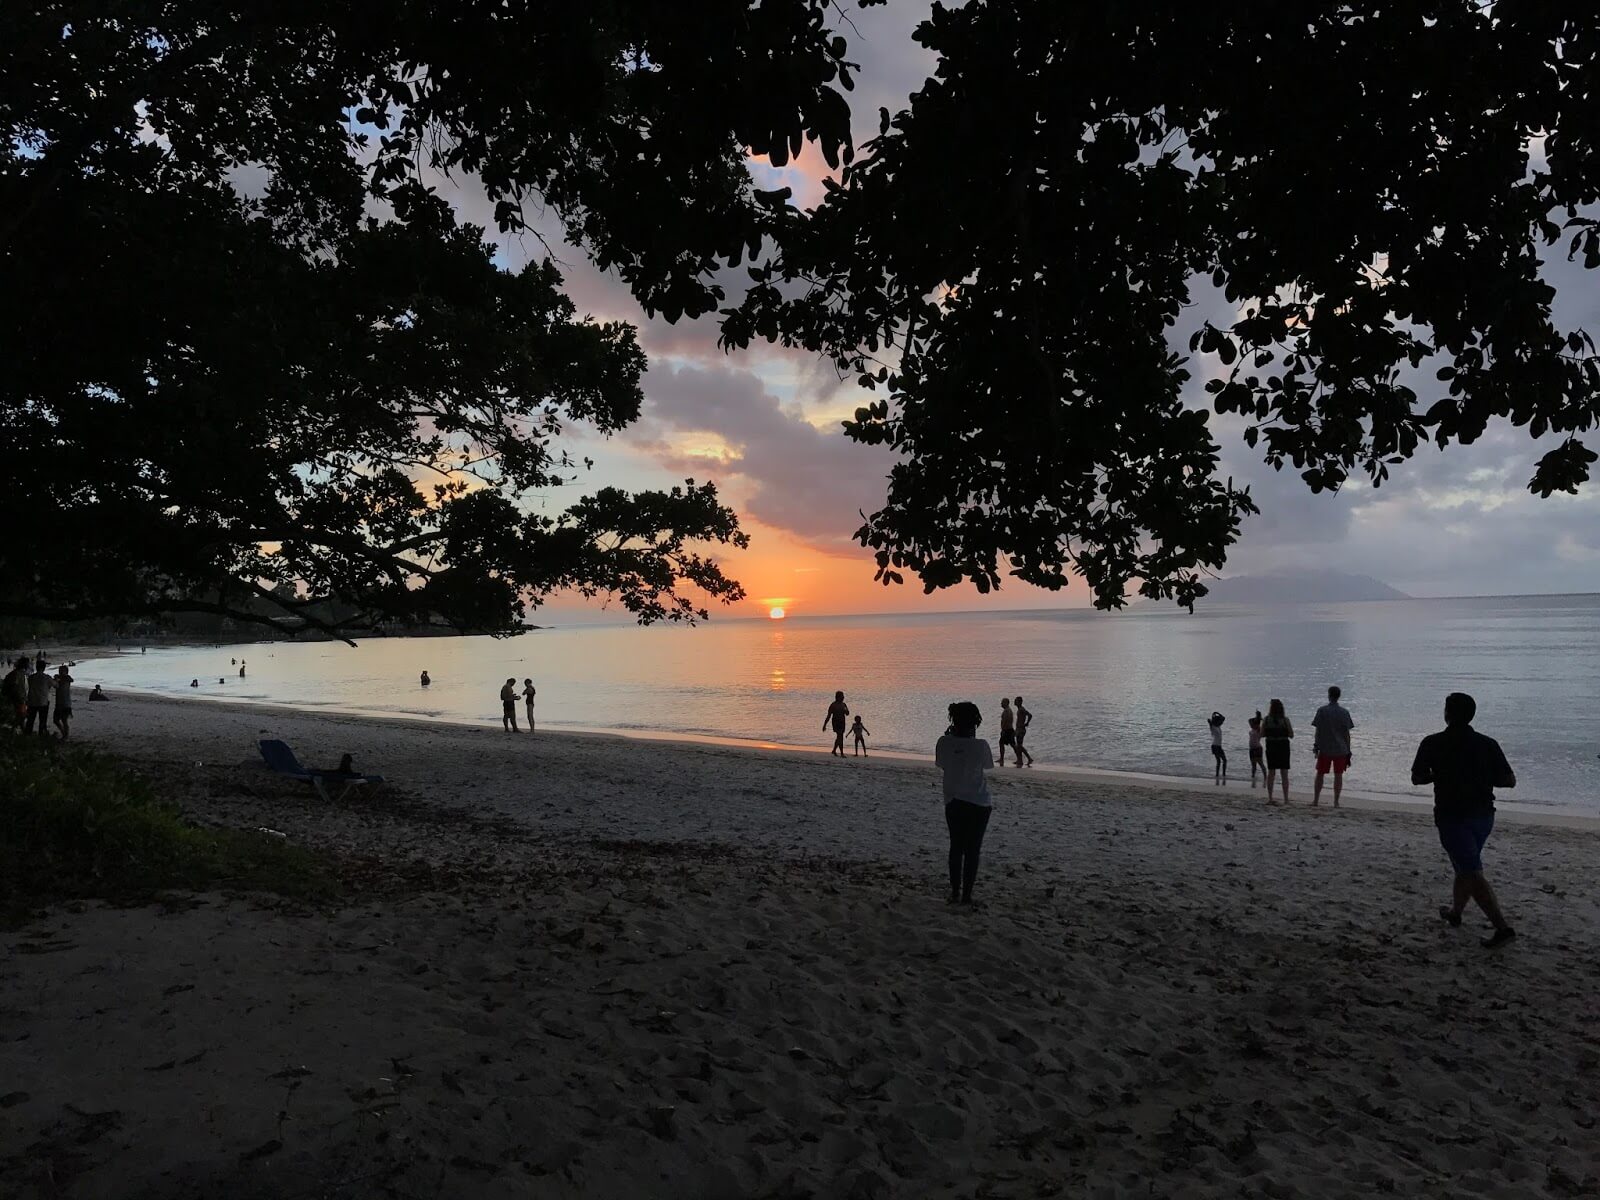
pixel 1008 260
pixel 248 344
pixel 250 327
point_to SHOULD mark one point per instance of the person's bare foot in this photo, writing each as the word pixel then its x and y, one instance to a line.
pixel 1498 938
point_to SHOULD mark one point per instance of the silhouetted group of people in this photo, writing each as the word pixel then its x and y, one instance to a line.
pixel 1269 742
pixel 1464 767
pixel 837 712
pixel 30 695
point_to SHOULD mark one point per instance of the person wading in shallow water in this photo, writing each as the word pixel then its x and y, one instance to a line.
pixel 1024 719
pixel 963 757
pixel 860 733
pixel 1465 767
pixel 1008 731
pixel 837 712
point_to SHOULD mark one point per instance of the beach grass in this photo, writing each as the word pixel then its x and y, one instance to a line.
pixel 75 824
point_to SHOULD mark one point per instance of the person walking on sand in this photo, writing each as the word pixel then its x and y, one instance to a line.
pixel 861 733
pixel 1465 767
pixel 963 757
pixel 1008 732
pixel 1219 773
pixel 1331 744
pixel 508 706
pixel 837 712
pixel 528 693
pixel 39 690
pixel 1024 719
pixel 63 717
pixel 1255 747
pixel 1277 732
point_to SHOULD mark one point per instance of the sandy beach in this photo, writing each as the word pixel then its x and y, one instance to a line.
pixel 593 966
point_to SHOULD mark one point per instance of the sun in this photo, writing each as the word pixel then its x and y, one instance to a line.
pixel 775 614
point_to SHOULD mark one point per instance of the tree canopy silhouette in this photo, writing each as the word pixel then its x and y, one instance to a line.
pixel 252 361
pixel 1370 185
pixel 252 350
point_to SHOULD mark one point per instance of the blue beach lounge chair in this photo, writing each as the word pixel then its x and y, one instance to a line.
pixel 281 759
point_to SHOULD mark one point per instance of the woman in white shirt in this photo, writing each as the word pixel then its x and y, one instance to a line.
pixel 963 757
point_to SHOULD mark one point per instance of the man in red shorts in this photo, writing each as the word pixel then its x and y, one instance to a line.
pixel 1332 745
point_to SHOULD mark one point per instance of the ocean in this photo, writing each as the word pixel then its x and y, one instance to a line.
pixel 1126 691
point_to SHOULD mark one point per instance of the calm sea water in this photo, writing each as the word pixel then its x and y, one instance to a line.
pixel 1127 691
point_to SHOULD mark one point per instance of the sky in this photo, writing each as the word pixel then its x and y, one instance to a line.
pixel 764 424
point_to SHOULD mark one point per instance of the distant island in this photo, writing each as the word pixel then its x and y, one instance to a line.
pixel 1300 587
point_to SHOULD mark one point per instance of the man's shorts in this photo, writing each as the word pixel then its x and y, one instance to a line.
pixel 1337 764
pixel 1008 737
pixel 1463 839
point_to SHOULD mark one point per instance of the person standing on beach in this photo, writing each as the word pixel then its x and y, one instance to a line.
pixel 14 689
pixel 39 689
pixel 63 685
pixel 508 706
pixel 1465 767
pixel 837 712
pixel 861 733
pixel 963 757
pixel 1024 719
pixel 1255 747
pixel 1331 745
pixel 1219 773
pixel 528 693
pixel 1277 732
pixel 1008 732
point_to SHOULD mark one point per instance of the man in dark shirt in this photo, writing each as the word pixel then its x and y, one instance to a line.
pixel 1465 767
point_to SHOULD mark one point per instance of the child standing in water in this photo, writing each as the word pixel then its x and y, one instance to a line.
pixel 1255 748
pixel 1214 723
pixel 963 757
pixel 861 733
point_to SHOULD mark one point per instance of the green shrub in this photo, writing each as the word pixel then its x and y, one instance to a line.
pixel 74 823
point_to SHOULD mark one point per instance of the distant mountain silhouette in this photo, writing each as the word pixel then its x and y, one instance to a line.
pixel 1299 587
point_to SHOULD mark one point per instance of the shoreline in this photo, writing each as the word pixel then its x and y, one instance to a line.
pixel 1353 799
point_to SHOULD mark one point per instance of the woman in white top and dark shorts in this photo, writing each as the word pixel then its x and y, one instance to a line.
pixel 963 757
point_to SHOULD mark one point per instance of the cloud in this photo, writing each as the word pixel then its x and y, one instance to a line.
pixel 792 475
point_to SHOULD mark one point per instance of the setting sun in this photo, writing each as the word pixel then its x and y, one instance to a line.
pixel 776 614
